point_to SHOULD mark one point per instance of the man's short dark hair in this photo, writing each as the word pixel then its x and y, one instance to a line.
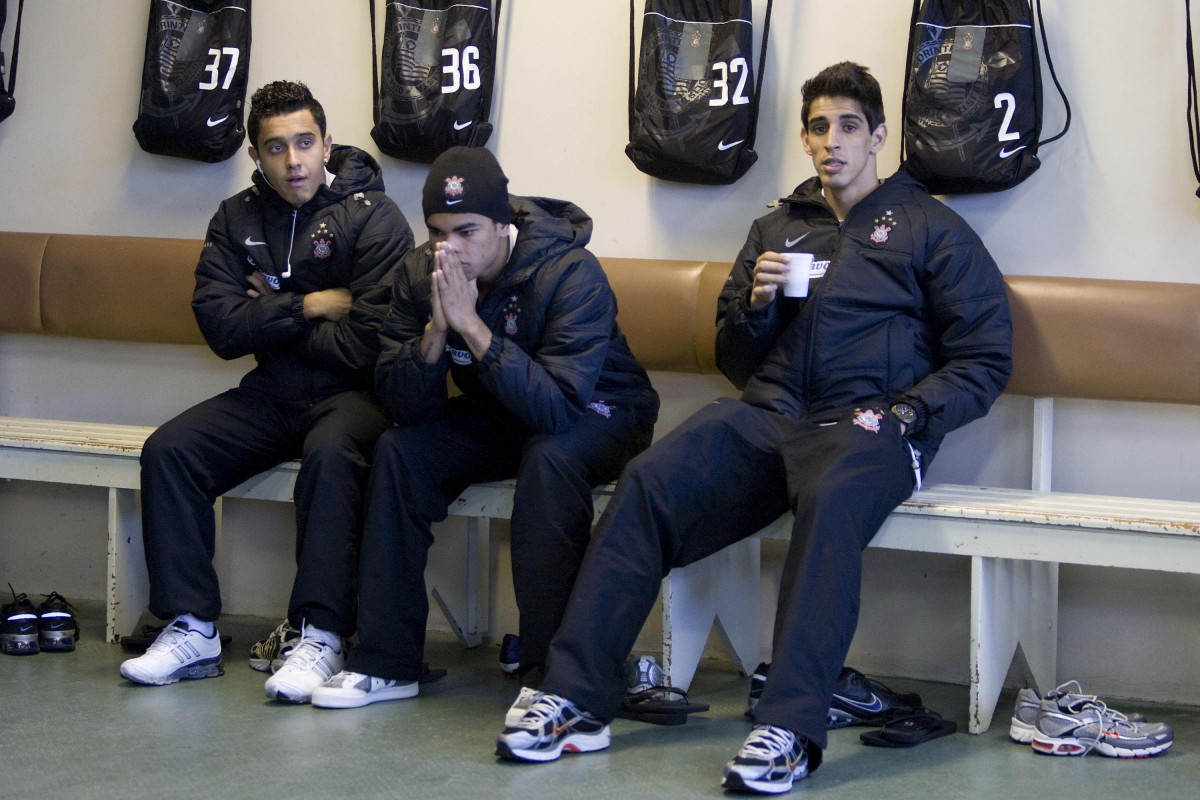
pixel 279 98
pixel 846 79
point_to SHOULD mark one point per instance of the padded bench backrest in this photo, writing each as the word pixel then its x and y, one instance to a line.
pixel 1104 339
pixel 100 287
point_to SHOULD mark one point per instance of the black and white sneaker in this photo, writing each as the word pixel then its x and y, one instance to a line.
pixel 552 726
pixel 858 700
pixel 18 626
pixel 57 627
pixel 770 760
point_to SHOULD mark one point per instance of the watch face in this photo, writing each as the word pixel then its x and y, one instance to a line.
pixel 906 413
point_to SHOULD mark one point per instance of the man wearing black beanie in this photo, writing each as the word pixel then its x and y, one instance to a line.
pixel 506 299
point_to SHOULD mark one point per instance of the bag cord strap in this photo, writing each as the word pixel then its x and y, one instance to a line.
pixel 762 68
pixel 1053 77
pixel 912 35
pixel 374 69
pixel 12 75
pixel 1193 106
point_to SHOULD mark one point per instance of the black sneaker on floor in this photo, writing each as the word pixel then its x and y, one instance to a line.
pixel 510 653
pixel 18 626
pixel 858 700
pixel 57 627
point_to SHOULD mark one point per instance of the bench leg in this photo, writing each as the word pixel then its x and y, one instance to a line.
pixel 1014 613
pixel 470 625
pixel 128 582
pixel 723 588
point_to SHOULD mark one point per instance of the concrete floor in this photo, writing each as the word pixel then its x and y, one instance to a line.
pixel 71 727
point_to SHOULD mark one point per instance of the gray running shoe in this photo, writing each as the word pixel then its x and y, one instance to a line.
pixel 1074 724
pixel 1023 725
pixel 643 673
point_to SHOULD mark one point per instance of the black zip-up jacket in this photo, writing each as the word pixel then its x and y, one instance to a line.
pixel 556 347
pixel 349 235
pixel 911 307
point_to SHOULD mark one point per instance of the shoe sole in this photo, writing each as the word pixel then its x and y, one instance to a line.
pixel 1112 751
pixel 56 641
pixel 1021 732
pixel 19 644
pixel 735 781
pixel 575 743
pixel 337 699
pixel 209 668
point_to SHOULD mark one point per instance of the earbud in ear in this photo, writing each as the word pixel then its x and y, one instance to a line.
pixel 258 164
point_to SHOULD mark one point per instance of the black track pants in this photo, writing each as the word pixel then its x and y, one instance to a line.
pixel 719 477
pixel 420 470
pixel 211 448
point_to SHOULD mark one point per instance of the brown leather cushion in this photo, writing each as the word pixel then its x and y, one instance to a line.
pixel 663 310
pixel 21 265
pixel 1104 339
pixel 120 287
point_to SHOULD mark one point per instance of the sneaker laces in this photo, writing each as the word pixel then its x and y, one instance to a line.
pixel 308 652
pixel 545 709
pixel 171 636
pixel 768 741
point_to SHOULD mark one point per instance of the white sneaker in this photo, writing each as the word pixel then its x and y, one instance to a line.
pixel 313 661
pixel 179 653
pixel 354 690
pixel 523 703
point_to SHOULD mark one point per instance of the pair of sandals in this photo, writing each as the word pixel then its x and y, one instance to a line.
pixel 908 727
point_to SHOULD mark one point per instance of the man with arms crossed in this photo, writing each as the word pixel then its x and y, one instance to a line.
pixel 296 270
pixel 507 300
pixel 904 336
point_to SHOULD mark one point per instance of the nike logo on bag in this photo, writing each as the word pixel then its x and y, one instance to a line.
pixel 796 241
pixel 212 123
pixel 251 243
pixel 1005 152
pixel 721 145
pixel 458 126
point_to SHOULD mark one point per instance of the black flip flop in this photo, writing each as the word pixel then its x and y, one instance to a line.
pixel 649 706
pixel 909 730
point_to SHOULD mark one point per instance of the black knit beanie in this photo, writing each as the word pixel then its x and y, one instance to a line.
pixel 466 180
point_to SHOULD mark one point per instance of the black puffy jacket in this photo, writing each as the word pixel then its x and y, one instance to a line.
pixel 911 307
pixel 349 235
pixel 556 347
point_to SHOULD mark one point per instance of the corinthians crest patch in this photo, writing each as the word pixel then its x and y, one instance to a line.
pixel 322 241
pixel 869 419
pixel 883 227
pixel 455 186
pixel 511 310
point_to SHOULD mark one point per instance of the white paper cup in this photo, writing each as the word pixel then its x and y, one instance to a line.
pixel 799 266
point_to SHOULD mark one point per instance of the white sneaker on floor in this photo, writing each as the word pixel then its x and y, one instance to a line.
pixel 179 653
pixel 523 703
pixel 313 661
pixel 354 690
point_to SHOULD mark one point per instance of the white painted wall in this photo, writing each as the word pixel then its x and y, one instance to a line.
pixel 1114 199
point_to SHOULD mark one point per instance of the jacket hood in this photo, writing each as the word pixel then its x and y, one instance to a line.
pixel 355 170
pixel 545 228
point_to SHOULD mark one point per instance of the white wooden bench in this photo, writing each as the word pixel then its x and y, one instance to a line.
pixel 1073 338
pixel 104 455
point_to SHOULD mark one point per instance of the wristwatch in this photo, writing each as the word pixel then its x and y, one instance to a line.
pixel 905 413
